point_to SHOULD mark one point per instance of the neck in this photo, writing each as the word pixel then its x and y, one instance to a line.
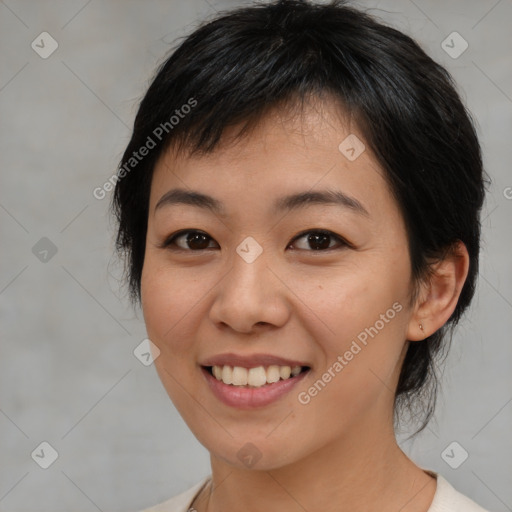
pixel 365 471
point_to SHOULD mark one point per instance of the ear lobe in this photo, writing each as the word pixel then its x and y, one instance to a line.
pixel 439 293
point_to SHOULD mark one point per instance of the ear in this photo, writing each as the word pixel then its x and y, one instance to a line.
pixel 439 293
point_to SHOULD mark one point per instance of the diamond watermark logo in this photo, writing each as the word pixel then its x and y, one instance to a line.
pixel 249 455
pixel 44 455
pixel 146 352
pixel 352 147
pixel 454 45
pixel 454 455
pixel 44 250
pixel 44 45
pixel 249 249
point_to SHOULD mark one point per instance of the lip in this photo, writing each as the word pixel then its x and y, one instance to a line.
pixel 252 361
pixel 250 398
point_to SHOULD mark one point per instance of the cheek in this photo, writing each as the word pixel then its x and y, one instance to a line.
pixel 360 357
pixel 363 315
pixel 351 300
pixel 170 298
pixel 169 302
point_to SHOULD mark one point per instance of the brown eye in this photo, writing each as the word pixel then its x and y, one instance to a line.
pixel 193 240
pixel 320 240
pixel 189 241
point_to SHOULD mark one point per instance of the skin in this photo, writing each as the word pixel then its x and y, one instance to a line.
pixel 294 302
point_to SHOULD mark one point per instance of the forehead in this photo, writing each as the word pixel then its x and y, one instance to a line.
pixel 284 153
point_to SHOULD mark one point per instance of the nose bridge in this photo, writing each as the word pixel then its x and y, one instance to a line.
pixel 249 269
pixel 250 294
pixel 249 264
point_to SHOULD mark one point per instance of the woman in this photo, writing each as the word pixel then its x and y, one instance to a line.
pixel 299 208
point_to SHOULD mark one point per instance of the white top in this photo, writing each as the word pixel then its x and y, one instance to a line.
pixel 446 499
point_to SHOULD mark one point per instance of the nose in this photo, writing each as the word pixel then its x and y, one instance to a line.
pixel 251 297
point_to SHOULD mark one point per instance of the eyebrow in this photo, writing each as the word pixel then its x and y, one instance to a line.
pixel 286 203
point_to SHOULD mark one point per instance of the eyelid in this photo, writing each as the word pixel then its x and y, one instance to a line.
pixel 326 232
pixel 342 241
pixel 171 238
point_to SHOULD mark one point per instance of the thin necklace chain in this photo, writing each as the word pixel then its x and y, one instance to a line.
pixel 198 498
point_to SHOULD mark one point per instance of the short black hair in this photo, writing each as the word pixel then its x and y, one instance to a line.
pixel 232 69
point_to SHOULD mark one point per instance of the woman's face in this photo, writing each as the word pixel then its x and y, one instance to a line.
pixel 258 286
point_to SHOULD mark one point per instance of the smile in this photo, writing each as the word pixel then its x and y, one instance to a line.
pixel 254 377
pixel 246 388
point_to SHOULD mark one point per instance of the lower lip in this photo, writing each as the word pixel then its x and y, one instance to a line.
pixel 249 398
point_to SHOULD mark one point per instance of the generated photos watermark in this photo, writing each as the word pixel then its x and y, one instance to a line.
pixel 305 397
pixel 151 142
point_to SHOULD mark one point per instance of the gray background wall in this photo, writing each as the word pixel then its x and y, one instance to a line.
pixel 68 375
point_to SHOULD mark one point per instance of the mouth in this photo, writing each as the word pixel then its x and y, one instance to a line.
pixel 247 388
pixel 257 377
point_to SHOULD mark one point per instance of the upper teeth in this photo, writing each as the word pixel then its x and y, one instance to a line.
pixel 256 377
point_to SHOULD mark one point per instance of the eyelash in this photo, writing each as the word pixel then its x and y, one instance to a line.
pixel 167 244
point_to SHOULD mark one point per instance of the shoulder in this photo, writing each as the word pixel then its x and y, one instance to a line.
pixel 181 502
pixel 448 499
